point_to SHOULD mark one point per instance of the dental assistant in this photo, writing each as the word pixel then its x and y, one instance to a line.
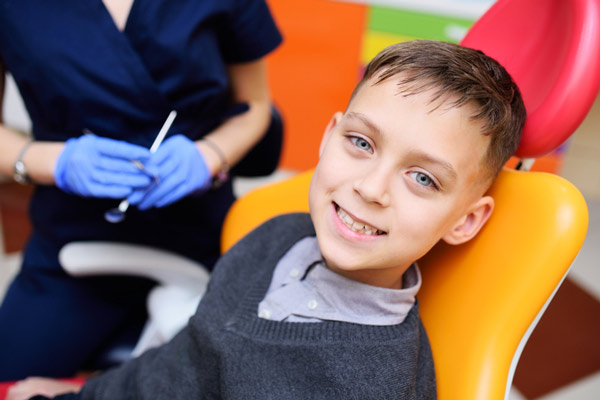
pixel 98 79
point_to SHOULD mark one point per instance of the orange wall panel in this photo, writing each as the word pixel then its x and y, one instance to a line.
pixel 314 71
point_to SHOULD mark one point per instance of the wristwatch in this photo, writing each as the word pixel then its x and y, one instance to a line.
pixel 19 169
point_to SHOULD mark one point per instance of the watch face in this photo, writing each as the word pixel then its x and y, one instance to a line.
pixel 20 174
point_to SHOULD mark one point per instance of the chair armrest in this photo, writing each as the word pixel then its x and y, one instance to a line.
pixel 110 258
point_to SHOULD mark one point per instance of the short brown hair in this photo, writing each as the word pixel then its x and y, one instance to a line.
pixel 453 70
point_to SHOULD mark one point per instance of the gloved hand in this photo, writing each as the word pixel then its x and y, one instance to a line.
pixel 93 166
pixel 180 169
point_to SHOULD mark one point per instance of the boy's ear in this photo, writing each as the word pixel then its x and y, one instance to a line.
pixel 335 119
pixel 470 223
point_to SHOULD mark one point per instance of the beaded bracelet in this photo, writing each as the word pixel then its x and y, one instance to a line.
pixel 223 173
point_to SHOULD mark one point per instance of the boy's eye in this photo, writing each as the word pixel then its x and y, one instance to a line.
pixel 361 143
pixel 423 179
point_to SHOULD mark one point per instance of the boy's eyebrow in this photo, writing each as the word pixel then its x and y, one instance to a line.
pixel 366 121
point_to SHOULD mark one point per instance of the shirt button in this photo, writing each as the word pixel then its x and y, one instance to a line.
pixel 312 304
pixel 294 273
pixel 266 314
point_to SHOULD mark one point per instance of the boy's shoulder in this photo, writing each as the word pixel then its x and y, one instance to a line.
pixel 267 243
pixel 300 220
pixel 281 230
pixel 253 258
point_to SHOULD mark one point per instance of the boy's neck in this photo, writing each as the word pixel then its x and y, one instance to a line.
pixel 390 278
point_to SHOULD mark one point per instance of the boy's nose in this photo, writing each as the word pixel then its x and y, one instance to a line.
pixel 373 186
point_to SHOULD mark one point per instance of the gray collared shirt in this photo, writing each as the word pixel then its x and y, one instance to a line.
pixel 303 289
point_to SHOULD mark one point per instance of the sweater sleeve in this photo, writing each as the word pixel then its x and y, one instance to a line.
pixel 66 396
pixel 170 371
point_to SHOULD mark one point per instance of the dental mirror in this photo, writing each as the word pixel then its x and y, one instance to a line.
pixel 117 214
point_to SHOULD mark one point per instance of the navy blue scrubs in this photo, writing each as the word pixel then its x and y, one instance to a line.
pixel 76 71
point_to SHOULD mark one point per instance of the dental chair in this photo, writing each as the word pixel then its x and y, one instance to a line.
pixel 479 301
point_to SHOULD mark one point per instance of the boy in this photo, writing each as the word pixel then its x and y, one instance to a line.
pixel 291 316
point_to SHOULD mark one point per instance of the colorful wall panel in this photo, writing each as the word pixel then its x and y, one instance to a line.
pixel 314 72
pixel 388 25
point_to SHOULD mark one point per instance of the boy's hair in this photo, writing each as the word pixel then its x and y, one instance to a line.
pixel 471 76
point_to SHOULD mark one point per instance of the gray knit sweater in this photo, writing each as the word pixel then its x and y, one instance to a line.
pixel 227 352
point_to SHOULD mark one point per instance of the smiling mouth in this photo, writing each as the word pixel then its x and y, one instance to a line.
pixel 356 226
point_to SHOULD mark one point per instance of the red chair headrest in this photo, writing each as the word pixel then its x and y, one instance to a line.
pixel 551 48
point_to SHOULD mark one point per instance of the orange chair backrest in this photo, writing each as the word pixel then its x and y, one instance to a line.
pixel 478 299
pixel 264 203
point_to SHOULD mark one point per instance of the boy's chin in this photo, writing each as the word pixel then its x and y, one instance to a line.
pixel 340 265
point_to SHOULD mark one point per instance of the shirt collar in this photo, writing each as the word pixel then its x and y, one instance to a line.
pixel 299 293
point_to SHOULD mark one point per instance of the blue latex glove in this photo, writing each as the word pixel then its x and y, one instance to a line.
pixel 93 166
pixel 181 170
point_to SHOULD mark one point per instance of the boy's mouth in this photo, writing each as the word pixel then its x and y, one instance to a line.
pixel 356 226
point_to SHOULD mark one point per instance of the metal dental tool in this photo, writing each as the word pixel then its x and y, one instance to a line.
pixel 117 214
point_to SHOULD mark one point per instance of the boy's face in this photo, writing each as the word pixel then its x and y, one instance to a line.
pixel 393 178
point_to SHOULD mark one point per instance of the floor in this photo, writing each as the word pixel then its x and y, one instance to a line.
pixel 556 364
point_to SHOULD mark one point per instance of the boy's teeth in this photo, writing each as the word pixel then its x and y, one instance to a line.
pixel 345 217
pixel 354 225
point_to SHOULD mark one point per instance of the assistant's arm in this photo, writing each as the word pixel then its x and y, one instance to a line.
pixel 237 135
pixel 40 157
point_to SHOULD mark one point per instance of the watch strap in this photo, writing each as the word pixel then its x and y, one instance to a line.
pixel 20 170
